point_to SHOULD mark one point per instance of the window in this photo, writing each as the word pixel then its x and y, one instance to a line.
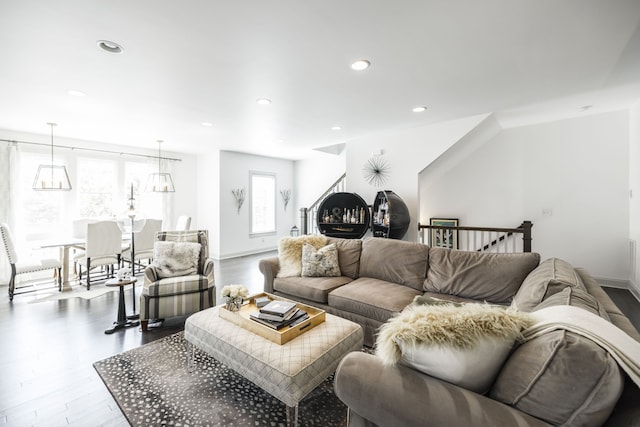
pixel 41 211
pixel 96 188
pixel 148 205
pixel 263 203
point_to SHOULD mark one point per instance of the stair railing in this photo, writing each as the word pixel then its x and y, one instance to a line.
pixel 480 239
pixel 308 215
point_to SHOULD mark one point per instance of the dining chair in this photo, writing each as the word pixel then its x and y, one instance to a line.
pixel 103 248
pixel 183 223
pixel 142 243
pixel 19 267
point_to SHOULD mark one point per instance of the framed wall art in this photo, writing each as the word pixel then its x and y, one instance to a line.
pixel 442 237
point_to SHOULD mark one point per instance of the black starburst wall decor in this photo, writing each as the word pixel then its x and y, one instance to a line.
pixel 376 171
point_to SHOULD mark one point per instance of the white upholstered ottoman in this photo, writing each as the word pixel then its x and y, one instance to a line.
pixel 288 372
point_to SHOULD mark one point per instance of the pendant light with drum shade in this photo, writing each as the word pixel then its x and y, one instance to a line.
pixel 52 177
pixel 160 182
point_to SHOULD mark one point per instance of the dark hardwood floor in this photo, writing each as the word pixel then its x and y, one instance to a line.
pixel 47 350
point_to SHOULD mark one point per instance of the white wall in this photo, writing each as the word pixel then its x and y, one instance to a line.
pixel 235 238
pixel 313 176
pixel 206 190
pixel 634 188
pixel 407 152
pixel 575 170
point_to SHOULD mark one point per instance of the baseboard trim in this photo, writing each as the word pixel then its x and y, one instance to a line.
pixel 619 284
pixel 244 253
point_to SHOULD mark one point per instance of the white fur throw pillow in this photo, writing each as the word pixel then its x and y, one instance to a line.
pixel 290 253
pixel 321 262
pixel 173 259
pixel 464 345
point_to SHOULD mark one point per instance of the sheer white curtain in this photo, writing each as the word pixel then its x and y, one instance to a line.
pixel 9 178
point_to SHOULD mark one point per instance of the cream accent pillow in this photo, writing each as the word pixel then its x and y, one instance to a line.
pixel 173 259
pixel 462 344
pixel 321 262
pixel 290 253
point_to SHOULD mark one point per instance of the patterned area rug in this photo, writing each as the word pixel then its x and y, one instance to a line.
pixel 152 386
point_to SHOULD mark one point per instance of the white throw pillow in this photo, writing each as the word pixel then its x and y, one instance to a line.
pixel 473 368
pixel 173 259
pixel 290 253
pixel 321 262
pixel 462 344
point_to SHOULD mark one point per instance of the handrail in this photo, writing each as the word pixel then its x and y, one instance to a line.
pixel 524 229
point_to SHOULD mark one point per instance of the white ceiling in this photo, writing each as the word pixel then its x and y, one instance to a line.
pixel 193 61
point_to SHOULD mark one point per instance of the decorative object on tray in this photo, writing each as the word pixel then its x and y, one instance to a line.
pixel 278 314
pixel 376 171
pixel 239 194
pixel 235 295
pixel 286 196
pixel 262 301
pixel 123 274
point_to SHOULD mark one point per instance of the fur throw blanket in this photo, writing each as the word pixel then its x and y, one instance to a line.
pixel 290 253
pixel 457 326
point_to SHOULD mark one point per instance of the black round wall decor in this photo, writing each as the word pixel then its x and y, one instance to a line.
pixel 344 215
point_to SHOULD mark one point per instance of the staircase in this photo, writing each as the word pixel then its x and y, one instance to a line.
pixel 308 215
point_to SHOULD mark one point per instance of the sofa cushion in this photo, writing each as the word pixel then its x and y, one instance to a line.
pixel 561 377
pixel 348 255
pixel 173 259
pixel 309 288
pixel 464 344
pixel 372 298
pixel 321 262
pixel 290 253
pixel 395 261
pixel 550 277
pixel 492 277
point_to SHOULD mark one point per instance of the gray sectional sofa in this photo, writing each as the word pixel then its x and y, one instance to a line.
pixel 559 378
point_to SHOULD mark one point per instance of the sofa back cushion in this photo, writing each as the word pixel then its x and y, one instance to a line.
pixel 395 261
pixel 492 277
pixel 561 377
pixel 348 255
pixel 551 276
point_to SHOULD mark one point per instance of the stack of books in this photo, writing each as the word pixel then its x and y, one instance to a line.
pixel 278 314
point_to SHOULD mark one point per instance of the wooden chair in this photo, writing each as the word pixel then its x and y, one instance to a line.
pixel 103 249
pixel 30 266
pixel 183 223
pixel 143 243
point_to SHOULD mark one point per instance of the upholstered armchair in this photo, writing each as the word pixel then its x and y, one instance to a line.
pixel 172 287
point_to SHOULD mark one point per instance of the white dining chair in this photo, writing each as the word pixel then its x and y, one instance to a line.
pixel 103 248
pixel 143 243
pixel 183 223
pixel 19 267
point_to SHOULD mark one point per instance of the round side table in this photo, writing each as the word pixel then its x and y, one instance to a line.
pixel 122 321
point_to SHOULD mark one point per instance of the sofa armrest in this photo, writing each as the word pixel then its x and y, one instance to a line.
pixel 269 268
pixel 394 396
pixel 207 271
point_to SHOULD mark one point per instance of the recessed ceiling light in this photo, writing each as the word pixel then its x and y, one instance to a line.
pixel 360 64
pixel 419 109
pixel 73 92
pixel 206 124
pixel 263 101
pixel 109 46
pixel 336 128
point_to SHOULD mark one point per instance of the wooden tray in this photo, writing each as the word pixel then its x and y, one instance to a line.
pixel 281 336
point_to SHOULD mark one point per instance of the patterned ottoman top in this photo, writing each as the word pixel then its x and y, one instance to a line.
pixel 290 371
